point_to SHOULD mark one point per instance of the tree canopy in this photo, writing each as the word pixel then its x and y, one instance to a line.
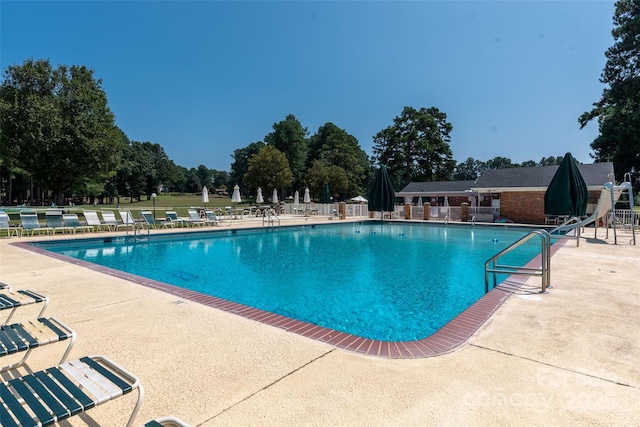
pixel 290 138
pixel 268 169
pixel 416 147
pixel 618 110
pixel 335 148
pixel 57 126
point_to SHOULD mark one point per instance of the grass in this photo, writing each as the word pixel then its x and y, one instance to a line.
pixel 165 202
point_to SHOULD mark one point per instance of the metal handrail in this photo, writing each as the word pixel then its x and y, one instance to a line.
pixel 572 223
pixel 270 218
pixel 544 271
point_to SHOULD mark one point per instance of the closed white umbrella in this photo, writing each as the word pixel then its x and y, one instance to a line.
pixel 296 199
pixel 259 198
pixel 274 197
pixel 205 196
pixel 446 200
pixel 307 197
pixel 235 197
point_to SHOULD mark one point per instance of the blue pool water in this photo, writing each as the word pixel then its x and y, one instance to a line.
pixel 392 282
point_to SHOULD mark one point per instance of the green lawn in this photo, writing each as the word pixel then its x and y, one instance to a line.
pixel 178 202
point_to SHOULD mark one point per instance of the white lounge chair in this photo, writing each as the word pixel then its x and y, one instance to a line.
pixel 93 220
pixel 109 218
pixel 128 221
pixel 6 228
pixel 194 218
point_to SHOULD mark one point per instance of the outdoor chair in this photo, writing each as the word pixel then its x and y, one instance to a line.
pixel 166 422
pixel 24 337
pixel 128 221
pixel 93 220
pixel 30 223
pixel 109 219
pixel 173 218
pixel 211 218
pixel 49 396
pixel 71 220
pixel 5 227
pixel 54 221
pixel 151 222
pixel 194 218
pixel 10 300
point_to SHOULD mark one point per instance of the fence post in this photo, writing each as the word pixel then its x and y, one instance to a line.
pixel 427 208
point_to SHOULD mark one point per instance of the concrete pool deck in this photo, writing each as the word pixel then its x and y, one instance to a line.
pixel 570 357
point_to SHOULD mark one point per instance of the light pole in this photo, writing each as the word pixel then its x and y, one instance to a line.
pixel 153 197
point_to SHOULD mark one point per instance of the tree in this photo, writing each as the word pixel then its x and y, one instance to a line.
pixel 205 175
pixel 316 176
pixel 144 169
pixel 240 164
pixel 57 125
pixel 618 110
pixel 550 161
pixel 289 137
pixel 416 147
pixel 268 169
pixel 335 147
pixel 470 169
pixel 221 179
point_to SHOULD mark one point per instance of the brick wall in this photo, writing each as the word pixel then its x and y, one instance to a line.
pixel 527 207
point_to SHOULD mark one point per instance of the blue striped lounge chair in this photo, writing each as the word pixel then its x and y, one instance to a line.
pixel 72 220
pixel 54 221
pixel 52 395
pixel 151 222
pixel 30 223
pixel 23 337
pixel 11 301
pixel 211 217
pixel 172 217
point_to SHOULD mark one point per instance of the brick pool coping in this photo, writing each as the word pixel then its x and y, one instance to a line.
pixel 448 338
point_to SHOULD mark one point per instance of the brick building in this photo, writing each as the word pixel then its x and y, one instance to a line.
pixel 518 193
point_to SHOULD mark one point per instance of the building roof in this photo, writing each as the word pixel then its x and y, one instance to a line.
pixel 510 179
pixel 538 177
pixel 436 187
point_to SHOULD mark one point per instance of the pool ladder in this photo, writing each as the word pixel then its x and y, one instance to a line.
pixel 544 271
pixel 136 233
pixel 271 218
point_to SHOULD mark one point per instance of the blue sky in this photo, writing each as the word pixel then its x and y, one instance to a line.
pixel 204 78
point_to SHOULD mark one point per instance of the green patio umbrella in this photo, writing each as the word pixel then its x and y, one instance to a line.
pixel 326 194
pixel 567 193
pixel 381 195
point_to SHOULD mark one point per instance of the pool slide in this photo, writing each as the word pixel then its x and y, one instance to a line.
pixel 609 195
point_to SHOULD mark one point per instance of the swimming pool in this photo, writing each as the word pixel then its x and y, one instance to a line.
pixel 388 282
